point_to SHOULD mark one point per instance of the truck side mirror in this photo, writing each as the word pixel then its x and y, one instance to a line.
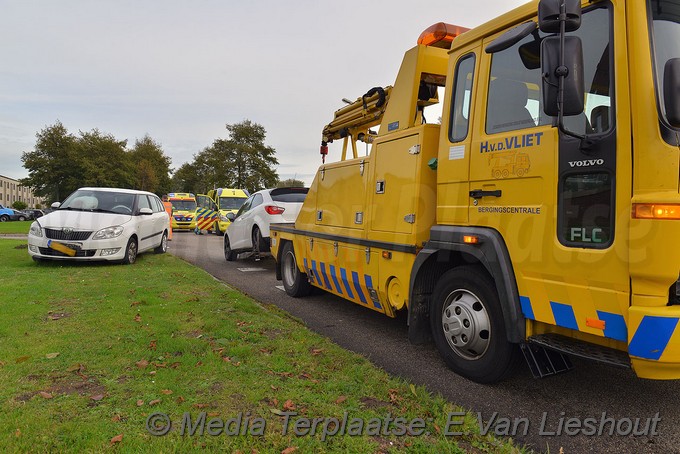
pixel 549 12
pixel 671 91
pixel 231 216
pixel 572 70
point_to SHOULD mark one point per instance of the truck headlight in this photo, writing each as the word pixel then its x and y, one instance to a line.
pixel 108 233
pixel 35 230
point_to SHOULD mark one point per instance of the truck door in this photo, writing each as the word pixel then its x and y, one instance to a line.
pixel 554 198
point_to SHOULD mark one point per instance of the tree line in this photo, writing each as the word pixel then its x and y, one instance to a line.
pixel 62 162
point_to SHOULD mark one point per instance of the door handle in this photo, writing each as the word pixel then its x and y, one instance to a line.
pixel 479 193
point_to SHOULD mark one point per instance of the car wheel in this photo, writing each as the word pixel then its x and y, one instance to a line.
pixel 4 218
pixel 294 282
pixel 468 328
pixel 22 218
pixel 130 252
pixel 259 245
pixel 229 254
pixel 163 247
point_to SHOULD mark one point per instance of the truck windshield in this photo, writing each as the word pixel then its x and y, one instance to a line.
pixel 183 205
pixel 231 203
pixel 665 33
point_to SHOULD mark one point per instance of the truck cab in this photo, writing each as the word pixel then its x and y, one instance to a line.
pixel 183 210
pixel 224 201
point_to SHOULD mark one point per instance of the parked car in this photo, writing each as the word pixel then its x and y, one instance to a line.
pixel 34 213
pixel 101 224
pixel 249 228
pixel 10 214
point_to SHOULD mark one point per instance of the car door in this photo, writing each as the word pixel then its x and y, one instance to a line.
pixel 145 224
pixel 237 229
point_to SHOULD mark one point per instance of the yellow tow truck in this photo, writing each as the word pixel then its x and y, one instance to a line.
pixel 570 248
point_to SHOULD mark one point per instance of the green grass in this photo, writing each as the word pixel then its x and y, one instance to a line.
pixel 88 352
pixel 13 227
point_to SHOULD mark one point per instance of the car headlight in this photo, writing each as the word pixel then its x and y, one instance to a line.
pixel 35 229
pixel 223 218
pixel 108 233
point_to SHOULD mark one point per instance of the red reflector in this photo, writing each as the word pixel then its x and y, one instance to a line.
pixel 273 209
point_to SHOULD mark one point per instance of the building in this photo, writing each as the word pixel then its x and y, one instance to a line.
pixel 11 191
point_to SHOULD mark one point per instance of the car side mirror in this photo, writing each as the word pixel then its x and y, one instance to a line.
pixel 56 205
pixel 145 211
pixel 571 71
pixel 671 91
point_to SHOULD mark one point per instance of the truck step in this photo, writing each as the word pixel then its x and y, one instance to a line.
pixel 593 352
pixel 544 362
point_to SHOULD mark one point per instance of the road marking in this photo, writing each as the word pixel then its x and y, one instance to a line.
pixel 280 287
pixel 248 270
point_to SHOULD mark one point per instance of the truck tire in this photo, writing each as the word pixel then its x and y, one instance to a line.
pixel 468 328
pixel 229 254
pixel 294 282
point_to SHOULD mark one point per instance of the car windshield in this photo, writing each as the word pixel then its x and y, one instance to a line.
pixel 99 201
pixel 183 205
pixel 665 36
pixel 231 203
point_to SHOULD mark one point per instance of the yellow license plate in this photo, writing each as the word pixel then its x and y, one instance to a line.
pixel 61 248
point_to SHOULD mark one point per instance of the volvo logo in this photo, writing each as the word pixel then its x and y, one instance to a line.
pixel 587 163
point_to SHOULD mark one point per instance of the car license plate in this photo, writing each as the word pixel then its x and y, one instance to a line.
pixel 61 248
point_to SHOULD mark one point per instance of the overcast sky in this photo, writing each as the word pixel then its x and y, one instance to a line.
pixel 180 70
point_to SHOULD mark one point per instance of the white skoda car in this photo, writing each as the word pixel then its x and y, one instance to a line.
pixel 101 224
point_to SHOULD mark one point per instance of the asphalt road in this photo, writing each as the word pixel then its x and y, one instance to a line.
pixel 590 390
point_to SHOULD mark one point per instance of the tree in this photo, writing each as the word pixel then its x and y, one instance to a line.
pixel 19 205
pixel 53 167
pixel 104 160
pixel 252 160
pixel 291 183
pixel 243 161
pixel 152 172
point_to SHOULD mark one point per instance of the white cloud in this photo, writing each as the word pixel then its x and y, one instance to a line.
pixel 180 71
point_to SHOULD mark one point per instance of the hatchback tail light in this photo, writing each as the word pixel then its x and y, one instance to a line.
pixel 273 209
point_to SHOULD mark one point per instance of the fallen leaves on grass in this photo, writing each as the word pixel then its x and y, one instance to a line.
pixel 340 399
pixel 116 439
pixel 167 392
pixel 317 351
pixel 52 355
pixel 154 402
pixel 142 363
pixel 140 402
pixel 22 359
pixel 97 397
pixel 289 450
pixel 45 395
pixel 152 345
pixel 138 318
pixel 289 405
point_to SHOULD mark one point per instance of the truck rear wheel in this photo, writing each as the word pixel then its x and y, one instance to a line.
pixel 294 282
pixel 468 328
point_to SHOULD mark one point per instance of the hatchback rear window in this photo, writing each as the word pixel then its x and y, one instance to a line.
pixel 289 194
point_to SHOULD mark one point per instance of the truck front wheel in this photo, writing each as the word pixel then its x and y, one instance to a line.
pixel 467 326
pixel 294 282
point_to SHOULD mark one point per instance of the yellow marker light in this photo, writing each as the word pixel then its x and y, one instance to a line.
pixel 440 35
pixel 386 255
pixel 470 239
pixel 656 211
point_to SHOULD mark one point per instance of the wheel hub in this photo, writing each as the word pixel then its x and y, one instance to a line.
pixel 466 324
